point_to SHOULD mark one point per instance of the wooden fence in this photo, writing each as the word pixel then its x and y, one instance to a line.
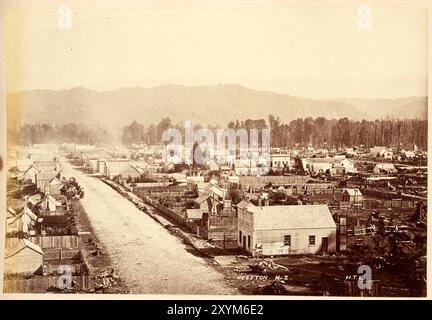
pixel 159 189
pixel 48 213
pixel 389 195
pixel 394 203
pixel 175 216
pixel 76 268
pixel 63 242
pixel 59 254
pixel 40 284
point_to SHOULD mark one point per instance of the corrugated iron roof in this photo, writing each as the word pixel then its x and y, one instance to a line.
pixel 292 217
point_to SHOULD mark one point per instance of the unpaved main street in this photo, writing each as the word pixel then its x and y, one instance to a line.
pixel 148 258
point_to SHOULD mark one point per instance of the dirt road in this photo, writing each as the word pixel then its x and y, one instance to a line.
pixel 148 258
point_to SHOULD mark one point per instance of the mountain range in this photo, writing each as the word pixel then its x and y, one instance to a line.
pixel 216 105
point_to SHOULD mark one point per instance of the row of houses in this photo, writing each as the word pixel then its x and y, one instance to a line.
pixel 333 166
pixel 144 164
pixel 27 224
pixel 101 162
pixel 40 236
pixel 262 230
pixel 38 172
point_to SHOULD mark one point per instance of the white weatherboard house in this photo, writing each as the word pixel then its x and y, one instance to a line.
pixel 381 152
pixel 24 257
pixel 284 230
pixel 384 168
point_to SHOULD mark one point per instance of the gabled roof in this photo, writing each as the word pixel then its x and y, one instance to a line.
pixel 29 213
pixel 139 169
pixel 202 198
pixel 46 175
pixel 292 217
pixel 32 166
pixel 133 167
pixel 244 204
pixel 23 164
pixel 378 150
pixel 47 165
pixel 11 212
pixel 353 192
pixel 21 245
pixel 213 181
pixel 35 199
pixel 15 218
pixel 385 166
pixel 55 181
pixel 23 221
pixel 218 191
pixel 51 198
pixel 208 187
pixel 117 166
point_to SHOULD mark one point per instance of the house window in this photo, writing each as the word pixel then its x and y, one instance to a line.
pixel 287 240
pixel 240 236
pixel 249 242
pixel 311 240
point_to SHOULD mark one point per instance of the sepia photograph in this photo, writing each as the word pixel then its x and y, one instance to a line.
pixel 248 149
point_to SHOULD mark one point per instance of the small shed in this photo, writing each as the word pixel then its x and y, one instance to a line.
pixel 384 168
pixel 24 257
pixel 352 196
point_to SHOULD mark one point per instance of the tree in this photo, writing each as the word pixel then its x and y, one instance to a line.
pixel 235 195
pixel 298 166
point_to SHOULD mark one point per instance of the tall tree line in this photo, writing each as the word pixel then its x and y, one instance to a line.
pixel 29 134
pixel 318 132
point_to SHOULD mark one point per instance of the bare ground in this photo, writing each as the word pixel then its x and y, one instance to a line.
pixel 149 259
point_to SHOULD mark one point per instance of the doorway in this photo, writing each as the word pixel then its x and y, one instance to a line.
pixel 324 245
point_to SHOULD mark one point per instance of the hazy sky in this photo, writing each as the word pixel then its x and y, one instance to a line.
pixel 306 52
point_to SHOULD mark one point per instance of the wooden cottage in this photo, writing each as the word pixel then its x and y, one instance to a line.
pixel 284 230
pixel 352 196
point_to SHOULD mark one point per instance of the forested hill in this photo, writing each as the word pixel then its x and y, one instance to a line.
pixel 216 105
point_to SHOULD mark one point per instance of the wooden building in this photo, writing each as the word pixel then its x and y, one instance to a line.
pixel 284 230
pixel 352 196
pixel 24 257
